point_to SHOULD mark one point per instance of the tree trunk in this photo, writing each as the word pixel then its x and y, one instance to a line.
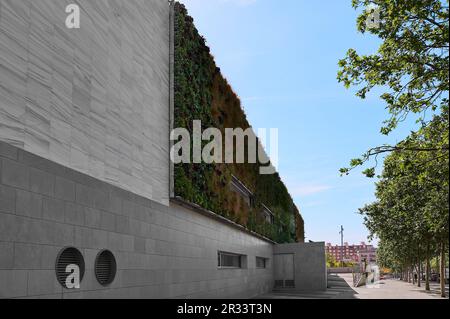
pixel 427 268
pixel 438 263
pixel 419 267
pixel 442 274
pixel 419 274
pixel 422 272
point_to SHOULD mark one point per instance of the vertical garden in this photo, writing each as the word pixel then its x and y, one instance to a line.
pixel 202 93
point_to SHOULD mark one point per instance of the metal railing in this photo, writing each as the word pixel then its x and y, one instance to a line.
pixel 357 275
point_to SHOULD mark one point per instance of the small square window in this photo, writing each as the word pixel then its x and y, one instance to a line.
pixel 229 260
pixel 261 262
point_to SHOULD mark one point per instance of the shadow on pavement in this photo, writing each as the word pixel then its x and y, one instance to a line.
pixel 435 290
pixel 341 286
pixel 338 288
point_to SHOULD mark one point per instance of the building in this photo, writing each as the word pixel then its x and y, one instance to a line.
pixel 85 173
pixel 352 253
pixel 368 254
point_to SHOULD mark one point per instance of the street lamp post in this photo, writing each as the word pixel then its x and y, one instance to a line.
pixel 342 245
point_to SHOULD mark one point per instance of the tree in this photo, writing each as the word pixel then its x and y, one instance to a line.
pixel 332 262
pixel 411 64
pixel 411 215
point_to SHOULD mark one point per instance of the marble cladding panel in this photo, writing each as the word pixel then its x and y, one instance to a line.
pixel 95 99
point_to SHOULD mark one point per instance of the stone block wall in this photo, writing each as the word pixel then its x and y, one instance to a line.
pixel 310 267
pixel 161 252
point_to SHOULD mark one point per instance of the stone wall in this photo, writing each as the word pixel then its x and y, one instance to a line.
pixel 161 252
pixel 95 99
pixel 310 267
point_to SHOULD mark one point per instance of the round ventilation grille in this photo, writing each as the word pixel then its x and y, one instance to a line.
pixel 105 267
pixel 69 256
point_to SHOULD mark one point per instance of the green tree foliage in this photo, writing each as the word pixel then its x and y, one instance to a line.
pixel 332 262
pixel 411 65
pixel 201 93
pixel 411 214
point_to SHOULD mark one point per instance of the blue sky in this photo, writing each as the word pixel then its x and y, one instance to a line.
pixel 281 59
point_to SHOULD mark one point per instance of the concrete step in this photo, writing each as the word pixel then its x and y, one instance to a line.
pixel 339 285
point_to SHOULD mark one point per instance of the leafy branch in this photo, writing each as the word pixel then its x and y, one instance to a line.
pixel 377 151
pixel 412 63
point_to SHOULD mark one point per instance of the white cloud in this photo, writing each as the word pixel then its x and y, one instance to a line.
pixel 308 190
pixel 303 189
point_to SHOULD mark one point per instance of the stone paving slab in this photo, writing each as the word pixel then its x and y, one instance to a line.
pixel 340 287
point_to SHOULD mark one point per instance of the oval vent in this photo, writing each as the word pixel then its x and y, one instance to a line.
pixel 105 267
pixel 69 256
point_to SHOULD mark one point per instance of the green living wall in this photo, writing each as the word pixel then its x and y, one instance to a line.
pixel 202 93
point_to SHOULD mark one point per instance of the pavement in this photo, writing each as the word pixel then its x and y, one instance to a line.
pixel 341 287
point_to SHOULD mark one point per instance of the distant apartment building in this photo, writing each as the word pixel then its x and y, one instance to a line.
pixel 352 253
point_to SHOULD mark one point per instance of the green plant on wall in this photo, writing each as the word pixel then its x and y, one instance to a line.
pixel 202 93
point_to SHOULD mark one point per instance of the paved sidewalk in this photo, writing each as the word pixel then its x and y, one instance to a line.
pixel 394 289
pixel 341 288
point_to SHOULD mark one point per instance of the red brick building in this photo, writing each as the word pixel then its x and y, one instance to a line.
pixel 352 253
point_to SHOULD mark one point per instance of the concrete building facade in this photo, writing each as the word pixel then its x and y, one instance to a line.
pixel 309 270
pixel 161 251
pixel 94 99
pixel 84 162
